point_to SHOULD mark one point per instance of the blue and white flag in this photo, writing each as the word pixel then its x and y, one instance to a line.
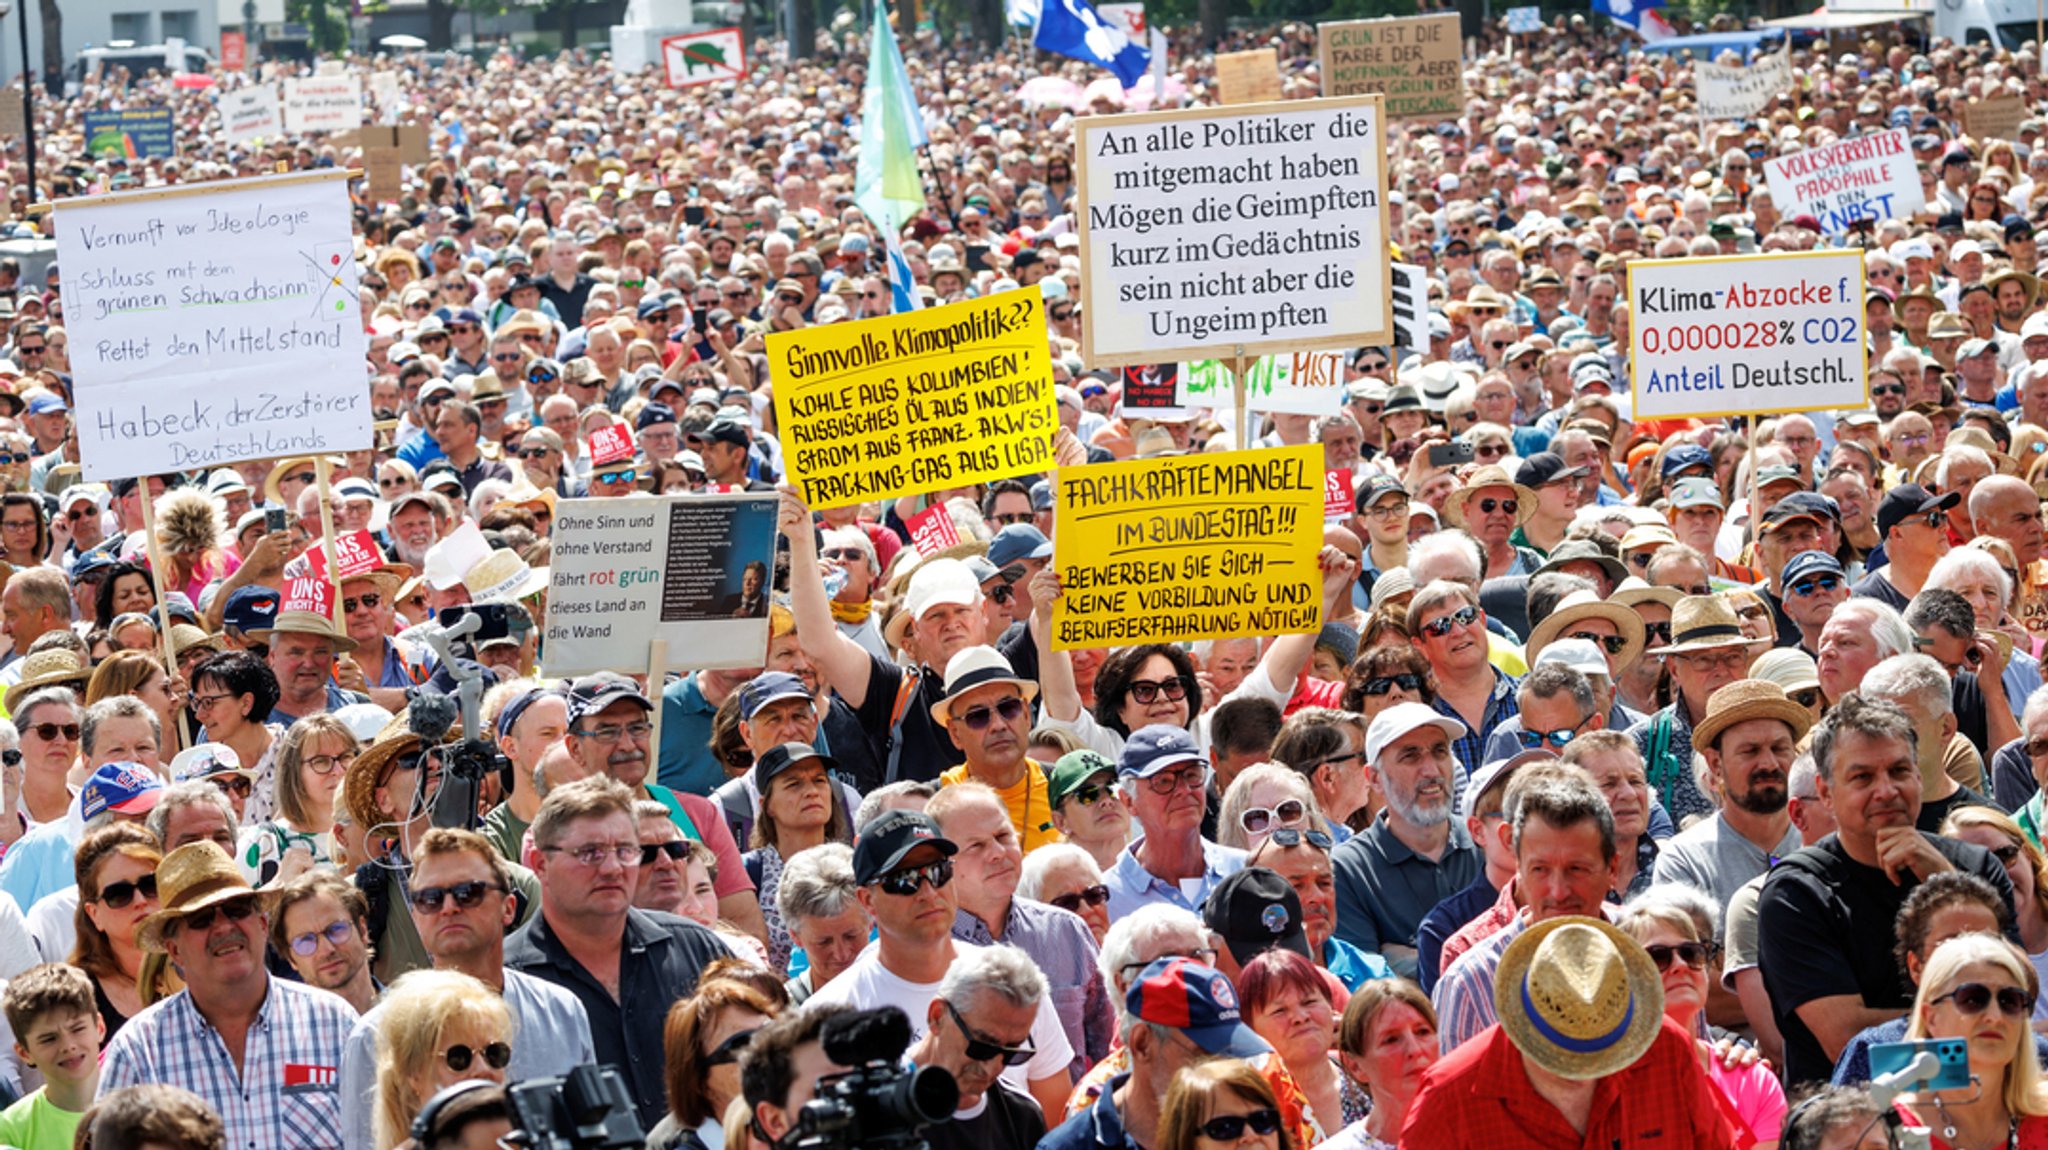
pixel 1524 21
pixel 1072 28
pixel 902 284
pixel 1642 15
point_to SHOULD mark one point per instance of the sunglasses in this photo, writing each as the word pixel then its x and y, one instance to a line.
pixel 236 785
pixel 299 477
pixel 48 732
pixel 1230 1127
pixel 626 475
pixel 676 851
pixel 977 718
pixel 1094 896
pixel 1816 585
pixel 1506 506
pixel 370 599
pixel 496 1056
pixel 117 896
pixel 1294 837
pixel 2007 854
pixel 728 1052
pixel 1094 793
pixel 980 1049
pixel 906 881
pixel 1657 631
pixel 467 896
pixel 533 453
pixel 1462 617
pixel 337 932
pixel 1692 954
pixel 1255 820
pixel 1810 697
pixel 1147 691
pixel 201 921
pixel 1613 644
pixel 541 377
pixel 1973 997
pixel 1383 684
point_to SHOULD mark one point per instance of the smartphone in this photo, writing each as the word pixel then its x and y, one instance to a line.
pixel 693 214
pixel 1449 454
pixel 497 621
pixel 273 520
pixel 1953 1055
pixel 977 257
pixel 699 320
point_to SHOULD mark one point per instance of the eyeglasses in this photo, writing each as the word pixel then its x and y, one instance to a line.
pixel 843 554
pixel 728 1052
pixel 1612 643
pixel 370 600
pixel 1462 617
pixel 1383 684
pixel 1294 837
pixel 1816 585
pixel 336 933
pixel 1534 740
pixel 1094 896
pixel 1165 783
pixel 2007 854
pixel 1230 1127
pixel 1505 506
pixel 533 453
pixel 1392 510
pixel 116 896
pixel 1013 517
pixel 1692 954
pixel 1147 691
pixel 612 733
pixel 627 475
pixel 597 854
pixel 322 764
pixel 1810 697
pixel 48 732
pixel 496 1056
pixel 980 1049
pixel 467 896
pixel 1887 389
pixel 676 850
pixel 506 357
pixel 236 785
pixel 75 516
pixel 1255 820
pixel 234 910
pixel 906 881
pixel 1657 631
pixel 1973 997
pixel 541 377
pixel 978 718
pixel 199 703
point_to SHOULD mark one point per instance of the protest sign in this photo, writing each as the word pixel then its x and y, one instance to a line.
pixel 1249 77
pixel 355 553
pixel 933 530
pixel 1129 17
pixel 1738 92
pixel 704 57
pixel 1304 383
pixel 132 133
pixel 1337 495
pixel 691 571
pixel 12 122
pixel 1416 62
pixel 1151 391
pixel 1411 309
pixel 1523 21
pixel 322 104
pixel 1206 546
pixel 234 50
pixel 1995 117
pixel 213 324
pixel 1722 335
pixel 901 404
pixel 1213 232
pixel 250 113
pixel 408 140
pixel 611 444
pixel 1865 178
pixel 385 96
pixel 384 172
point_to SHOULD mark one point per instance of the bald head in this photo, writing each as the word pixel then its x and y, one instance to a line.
pixel 2007 508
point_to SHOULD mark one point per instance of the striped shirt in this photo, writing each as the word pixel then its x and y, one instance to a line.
pixel 287 1095
pixel 1060 945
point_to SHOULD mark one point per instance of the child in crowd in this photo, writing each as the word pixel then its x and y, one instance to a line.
pixel 57 1031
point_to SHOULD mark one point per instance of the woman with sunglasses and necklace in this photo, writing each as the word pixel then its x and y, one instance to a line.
pixel 439 1027
pixel 1978 988
pixel 702 1042
pixel 116 891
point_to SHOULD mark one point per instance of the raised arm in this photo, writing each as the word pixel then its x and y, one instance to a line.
pixel 845 663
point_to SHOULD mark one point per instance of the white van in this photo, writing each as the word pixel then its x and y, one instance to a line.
pixel 2006 23
pixel 139 59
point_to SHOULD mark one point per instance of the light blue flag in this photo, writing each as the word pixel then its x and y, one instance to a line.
pixel 886 183
pixel 1072 28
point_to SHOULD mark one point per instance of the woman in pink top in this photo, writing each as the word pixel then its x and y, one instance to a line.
pixel 1667 932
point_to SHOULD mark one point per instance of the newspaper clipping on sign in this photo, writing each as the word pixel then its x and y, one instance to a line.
pixel 1859 180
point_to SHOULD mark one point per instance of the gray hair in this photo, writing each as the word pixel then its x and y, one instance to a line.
pixel 816 883
pixel 185 794
pixel 2037 705
pixel 117 707
pixel 1871 718
pixel 1549 680
pixel 1436 594
pixel 872 804
pixel 44 697
pixel 1154 928
pixel 1960 453
pixel 1443 545
pixel 1965 561
pixel 1902 679
pixel 1038 864
pixel 1803 781
pixel 1685 898
pixel 1002 970
pixel 1885 624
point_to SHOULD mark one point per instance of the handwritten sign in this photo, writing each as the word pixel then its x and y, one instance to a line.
pixel 12 121
pixel 933 530
pixel 250 113
pixel 1995 117
pixel 322 104
pixel 1189 547
pixel 1416 62
pixel 214 325
pixel 1720 335
pixel 355 554
pixel 1865 178
pixel 1249 77
pixel 704 57
pixel 132 133
pixel 386 96
pixel 901 404
pixel 1205 231
pixel 1732 92
pixel 690 569
pixel 1305 383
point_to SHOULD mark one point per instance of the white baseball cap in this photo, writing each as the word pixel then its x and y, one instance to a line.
pixel 941 581
pixel 1399 720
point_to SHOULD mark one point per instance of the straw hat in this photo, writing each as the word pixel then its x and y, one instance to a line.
pixel 191 878
pixel 184 637
pixel 1578 998
pixel 286 467
pixel 1747 699
pixel 54 667
pixel 1580 606
pixel 359 786
pixel 503 577
pixel 306 623
pixel 1706 623
pixel 2029 283
pixel 1492 475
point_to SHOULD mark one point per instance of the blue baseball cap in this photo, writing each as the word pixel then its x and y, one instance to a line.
pixel 1041 495
pixel 467 315
pixel 47 403
pixel 1809 563
pixel 1153 749
pixel 1196 1000
pixel 770 687
pixel 250 609
pixel 1684 457
pixel 652 414
pixel 1016 543
pixel 130 788
pixel 96 560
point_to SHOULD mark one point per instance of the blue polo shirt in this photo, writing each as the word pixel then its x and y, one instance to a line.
pixel 686 762
pixel 1132 886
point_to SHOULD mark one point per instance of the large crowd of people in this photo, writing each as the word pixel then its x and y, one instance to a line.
pixel 1645 780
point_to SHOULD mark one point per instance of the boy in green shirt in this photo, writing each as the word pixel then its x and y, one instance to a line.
pixel 57 1030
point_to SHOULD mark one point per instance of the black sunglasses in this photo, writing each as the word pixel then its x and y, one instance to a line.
pixel 1657 631
pixel 1973 997
pixel 467 896
pixel 1146 691
pixel 1094 896
pixel 907 880
pixel 118 895
pixel 496 1056
pixel 1294 837
pixel 1230 1127
pixel 980 1049
pixel 977 718
pixel 1613 643
pixel 1692 954
pixel 235 910
pixel 728 1052
pixel 677 851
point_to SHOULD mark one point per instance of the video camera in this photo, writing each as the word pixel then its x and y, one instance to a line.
pixel 467 762
pixel 878 1105
pixel 587 1110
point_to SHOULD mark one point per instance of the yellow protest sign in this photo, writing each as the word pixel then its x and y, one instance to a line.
pixel 1203 546
pixel 902 404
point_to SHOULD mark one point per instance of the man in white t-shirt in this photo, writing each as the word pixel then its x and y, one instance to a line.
pixel 904 868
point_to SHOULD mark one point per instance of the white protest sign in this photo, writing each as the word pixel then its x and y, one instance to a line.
pixel 1723 335
pixel 213 325
pixel 1864 178
pixel 691 569
pixel 384 93
pixel 1219 232
pixel 322 104
pixel 1740 92
pixel 1304 383
pixel 250 113
pixel 1129 17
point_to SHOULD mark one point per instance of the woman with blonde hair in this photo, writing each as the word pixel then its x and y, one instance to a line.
pixel 1978 988
pixel 440 1027
pixel 313 758
pixel 1219 1104
pixel 1385 1041
pixel 2025 864
pixel 1263 798
pixel 141 674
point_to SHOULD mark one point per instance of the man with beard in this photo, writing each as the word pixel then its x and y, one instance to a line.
pixel 1748 738
pixel 1708 651
pixel 1414 855
pixel 418 520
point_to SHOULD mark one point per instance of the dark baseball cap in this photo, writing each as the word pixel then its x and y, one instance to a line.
pixel 593 693
pixel 780 758
pixel 1685 457
pixel 250 609
pixel 652 414
pixel 890 836
pixel 1255 910
pixel 1800 505
pixel 728 431
pixel 1072 771
pixel 1810 563
pixel 770 687
pixel 1545 467
pixel 1907 500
